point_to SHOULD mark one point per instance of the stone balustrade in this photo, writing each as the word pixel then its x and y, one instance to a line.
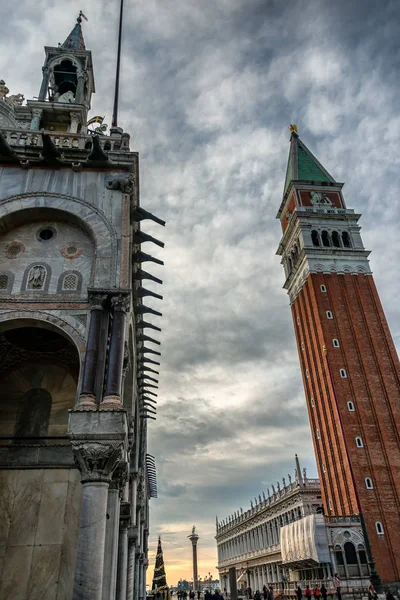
pixel 273 549
pixel 277 496
pixel 32 138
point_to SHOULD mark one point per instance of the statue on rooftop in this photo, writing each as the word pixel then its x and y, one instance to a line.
pixel 3 89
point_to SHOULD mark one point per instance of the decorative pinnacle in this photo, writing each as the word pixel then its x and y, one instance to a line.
pixel 79 19
pixel 293 128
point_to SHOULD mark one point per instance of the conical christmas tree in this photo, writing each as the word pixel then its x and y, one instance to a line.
pixel 159 577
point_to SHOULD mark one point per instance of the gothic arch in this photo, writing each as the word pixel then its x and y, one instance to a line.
pixel 90 219
pixel 62 58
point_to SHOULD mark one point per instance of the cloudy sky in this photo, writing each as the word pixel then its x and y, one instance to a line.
pixel 209 88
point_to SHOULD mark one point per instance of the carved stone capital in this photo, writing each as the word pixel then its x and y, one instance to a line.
pixel 126 185
pixel 97 299
pixel 120 477
pixel 75 115
pixel 97 460
pixel 37 112
pixel 121 302
pixel 132 535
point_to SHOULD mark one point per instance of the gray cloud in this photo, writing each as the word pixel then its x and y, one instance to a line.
pixel 208 91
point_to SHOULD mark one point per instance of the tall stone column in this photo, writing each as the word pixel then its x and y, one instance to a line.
pixel 99 443
pixel 130 585
pixel 112 539
pixel 79 94
pixel 112 397
pixel 122 561
pixel 87 398
pixel 43 87
pixel 194 539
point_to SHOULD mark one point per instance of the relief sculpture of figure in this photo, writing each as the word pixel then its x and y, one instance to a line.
pixel 36 277
pixel 319 198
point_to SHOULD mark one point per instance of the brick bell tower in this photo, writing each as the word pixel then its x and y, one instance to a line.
pixel 349 364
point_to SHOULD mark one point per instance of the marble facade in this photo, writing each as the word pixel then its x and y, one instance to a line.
pixel 273 544
pixel 74 469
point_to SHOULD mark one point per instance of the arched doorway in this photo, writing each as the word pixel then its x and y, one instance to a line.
pixel 39 370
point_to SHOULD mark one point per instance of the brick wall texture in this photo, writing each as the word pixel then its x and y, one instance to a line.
pixel 367 354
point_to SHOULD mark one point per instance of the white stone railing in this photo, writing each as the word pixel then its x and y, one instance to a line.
pixel 32 138
pixel 308 484
pixel 324 209
pixel 250 555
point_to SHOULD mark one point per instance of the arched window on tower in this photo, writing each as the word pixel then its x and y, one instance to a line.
pixel 340 561
pixel 336 239
pixel 325 239
pixel 362 555
pixel 368 483
pixel 295 254
pixel 379 528
pixel 65 78
pixel 315 238
pixel 346 239
pixel 351 559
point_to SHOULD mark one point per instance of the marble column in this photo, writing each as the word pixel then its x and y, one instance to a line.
pixel 75 122
pixel 130 585
pixel 36 116
pixel 43 87
pixel 111 543
pixel 96 462
pixel 136 578
pixel 87 397
pixel 79 94
pixel 122 561
pixel 99 444
pixel 194 539
pixel 112 396
pixel 141 578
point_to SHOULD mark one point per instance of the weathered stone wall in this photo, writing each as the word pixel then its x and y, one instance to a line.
pixel 39 518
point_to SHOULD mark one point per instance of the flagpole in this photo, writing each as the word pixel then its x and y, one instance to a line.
pixel 116 93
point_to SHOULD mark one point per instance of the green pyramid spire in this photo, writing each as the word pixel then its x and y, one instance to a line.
pixel 75 39
pixel 159 577
pixel 303 166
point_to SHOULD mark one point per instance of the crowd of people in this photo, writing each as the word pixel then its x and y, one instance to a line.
pixel 267 593
pixel 207 595
pixel 319 593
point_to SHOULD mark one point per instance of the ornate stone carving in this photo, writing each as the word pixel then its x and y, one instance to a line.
pixel 3 89
pixel 126 185
pixel 121 302
pixel 97 460
pixel 36 277
pixel 15 99
pixel 318 198
pixel 97 299
pixel 120 477
pixel 140 489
